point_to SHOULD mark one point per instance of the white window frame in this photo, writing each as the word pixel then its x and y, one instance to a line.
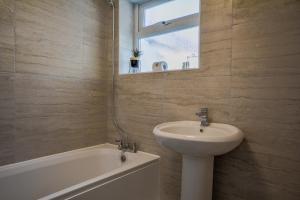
pixel 141 31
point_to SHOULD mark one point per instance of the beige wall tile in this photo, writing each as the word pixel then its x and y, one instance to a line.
pixel 57 98
pixel 249 78
pixel 7 114
pixel 7 41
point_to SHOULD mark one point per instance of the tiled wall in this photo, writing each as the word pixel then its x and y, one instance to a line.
pixel 250 77
pixel 53 76
pixel 55 80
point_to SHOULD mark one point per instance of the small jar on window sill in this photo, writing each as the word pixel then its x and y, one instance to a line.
pixel 135 66
pixel 135 62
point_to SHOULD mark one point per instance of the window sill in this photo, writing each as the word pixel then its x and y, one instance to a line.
pixel 160 72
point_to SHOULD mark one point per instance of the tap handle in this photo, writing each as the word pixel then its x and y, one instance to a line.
pixel 119 142
pixel 134 147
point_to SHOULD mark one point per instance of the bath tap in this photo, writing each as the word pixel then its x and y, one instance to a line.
pixel 124 145
pixel 203 115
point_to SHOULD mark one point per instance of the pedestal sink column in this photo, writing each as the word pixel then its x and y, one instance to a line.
pixel 197 178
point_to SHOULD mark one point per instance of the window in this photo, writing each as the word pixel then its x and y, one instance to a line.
pixel 168 30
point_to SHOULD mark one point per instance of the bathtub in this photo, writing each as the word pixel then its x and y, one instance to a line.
pixel 93 173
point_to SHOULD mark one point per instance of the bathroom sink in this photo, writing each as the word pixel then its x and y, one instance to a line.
pixel 198 146
pixel 188 138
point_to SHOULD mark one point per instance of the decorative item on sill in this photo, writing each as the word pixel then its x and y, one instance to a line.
pixel 159 66
pixel 186 65
pixel 135 63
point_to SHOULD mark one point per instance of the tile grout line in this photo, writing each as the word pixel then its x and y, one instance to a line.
pixel 230 68
pixel 14 34
pixel 13 80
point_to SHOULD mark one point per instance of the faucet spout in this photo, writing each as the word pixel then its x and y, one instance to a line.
pixel 125 146
pixel 203 116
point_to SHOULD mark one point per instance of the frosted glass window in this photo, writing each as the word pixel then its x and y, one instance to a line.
pixel 170 10
pixel 175 48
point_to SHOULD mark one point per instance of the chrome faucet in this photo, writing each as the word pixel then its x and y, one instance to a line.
pixel 125 146
pixel 203 115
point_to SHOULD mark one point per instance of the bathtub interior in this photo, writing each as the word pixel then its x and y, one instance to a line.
pixel 48 175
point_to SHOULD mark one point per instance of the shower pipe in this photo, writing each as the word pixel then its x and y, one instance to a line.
pixel 121 131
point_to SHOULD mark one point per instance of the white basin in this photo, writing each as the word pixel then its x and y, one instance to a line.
pixel 198 145
pixel 185 137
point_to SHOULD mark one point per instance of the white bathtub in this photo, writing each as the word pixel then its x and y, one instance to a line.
pixel 89 173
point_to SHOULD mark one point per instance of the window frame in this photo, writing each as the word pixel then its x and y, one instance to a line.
pixel 141 31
